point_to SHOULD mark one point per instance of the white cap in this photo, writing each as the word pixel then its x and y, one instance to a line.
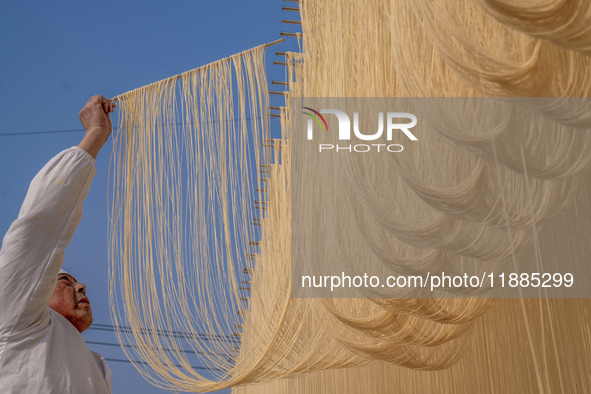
pixel 63 271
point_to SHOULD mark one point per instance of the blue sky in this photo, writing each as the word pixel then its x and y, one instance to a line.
pixel 56 55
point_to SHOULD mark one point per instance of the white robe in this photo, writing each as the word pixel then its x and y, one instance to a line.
pixel 41 351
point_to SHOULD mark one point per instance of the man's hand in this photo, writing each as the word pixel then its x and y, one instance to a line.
pixel 95 119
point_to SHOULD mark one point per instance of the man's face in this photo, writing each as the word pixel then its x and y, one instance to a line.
pixel 69 300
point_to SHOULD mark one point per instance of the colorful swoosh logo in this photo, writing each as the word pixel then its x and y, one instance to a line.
pixel 315 116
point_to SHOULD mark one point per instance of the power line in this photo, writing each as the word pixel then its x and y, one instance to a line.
pixel 175 334
pixel 41 132
pixel 99 343
pixel 59 131
pixel 119 360
pixel 160 349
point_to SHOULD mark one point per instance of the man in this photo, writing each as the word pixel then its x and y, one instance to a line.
pixel 43 309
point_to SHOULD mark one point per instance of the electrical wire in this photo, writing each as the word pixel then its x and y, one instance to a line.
pixel 41 132
pixel 60 131
pixel 135 346
pixel 119 360
pixel 111 344
pixel 175 334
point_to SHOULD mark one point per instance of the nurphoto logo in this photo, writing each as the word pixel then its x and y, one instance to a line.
pixel 396 123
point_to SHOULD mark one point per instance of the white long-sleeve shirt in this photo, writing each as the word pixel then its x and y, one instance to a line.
pixel 41 351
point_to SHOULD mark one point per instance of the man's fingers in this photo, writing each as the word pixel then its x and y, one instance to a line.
pixel 105 103
pixel 98 101
pixel 109 105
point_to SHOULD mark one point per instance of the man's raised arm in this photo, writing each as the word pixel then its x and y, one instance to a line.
pixel 33 248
